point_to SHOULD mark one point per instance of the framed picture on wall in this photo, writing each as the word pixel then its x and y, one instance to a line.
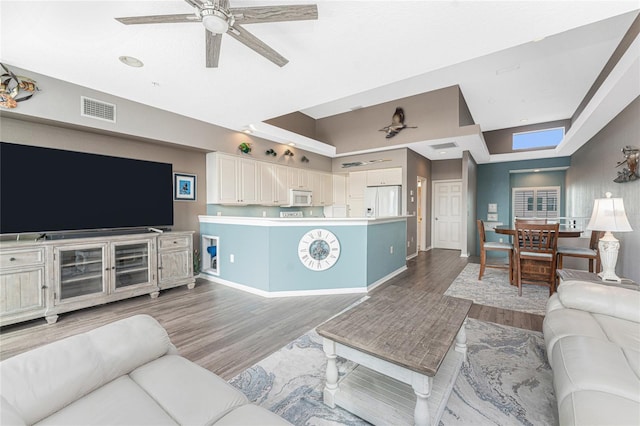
pixel 184 187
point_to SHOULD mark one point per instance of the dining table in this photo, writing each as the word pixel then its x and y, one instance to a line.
pixel 563 232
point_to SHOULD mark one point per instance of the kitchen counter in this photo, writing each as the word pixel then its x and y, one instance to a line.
pixel 271 256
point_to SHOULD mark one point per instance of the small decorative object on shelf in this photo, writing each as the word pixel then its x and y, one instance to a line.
pixel 631 157
pixel 245 147
pixel 288 153
pixel 270 152
pixel 304 159
pixel 10 87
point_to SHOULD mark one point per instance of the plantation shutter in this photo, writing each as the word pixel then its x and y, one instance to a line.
pixel 541 202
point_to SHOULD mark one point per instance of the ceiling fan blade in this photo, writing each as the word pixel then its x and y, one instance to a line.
pixel 159 19
pixel 213 42
pixel 296 12
pixel 251 41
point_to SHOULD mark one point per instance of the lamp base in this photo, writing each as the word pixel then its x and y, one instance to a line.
pixel 609 246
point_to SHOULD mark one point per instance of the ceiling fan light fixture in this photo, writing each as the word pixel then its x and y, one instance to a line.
pixel 215 21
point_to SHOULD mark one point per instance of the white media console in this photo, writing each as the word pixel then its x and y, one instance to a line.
pixel 45 278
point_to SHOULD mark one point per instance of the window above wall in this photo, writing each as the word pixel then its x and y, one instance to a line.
pixel 537 139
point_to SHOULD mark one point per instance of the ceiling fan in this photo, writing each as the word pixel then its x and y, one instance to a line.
pixel 218 18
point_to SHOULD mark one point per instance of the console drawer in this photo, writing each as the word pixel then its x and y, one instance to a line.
pixel 13 258
pixel 171 242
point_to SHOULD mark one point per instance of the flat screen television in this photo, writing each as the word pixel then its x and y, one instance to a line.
pixel 45 190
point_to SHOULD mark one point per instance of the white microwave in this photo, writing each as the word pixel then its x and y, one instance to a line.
pixel 299 198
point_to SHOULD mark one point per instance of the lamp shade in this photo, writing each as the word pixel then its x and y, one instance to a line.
pixel 609 215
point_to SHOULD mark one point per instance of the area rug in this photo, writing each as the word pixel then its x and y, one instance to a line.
pixel 495 290
pixel 507 381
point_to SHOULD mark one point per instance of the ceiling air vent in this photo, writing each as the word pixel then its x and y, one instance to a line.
pixel 97 109
pixel 444 146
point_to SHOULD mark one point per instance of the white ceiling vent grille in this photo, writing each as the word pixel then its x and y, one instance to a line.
pixel 446 145
pixel 100 110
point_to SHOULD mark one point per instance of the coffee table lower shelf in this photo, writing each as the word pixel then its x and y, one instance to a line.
pixel 381 399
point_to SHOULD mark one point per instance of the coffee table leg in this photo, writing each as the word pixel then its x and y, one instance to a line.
pixel 331 385
pixel 461 340
pixel 422 388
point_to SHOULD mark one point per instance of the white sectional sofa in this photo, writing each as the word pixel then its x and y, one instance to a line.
pixel 592 335
pixel 124 373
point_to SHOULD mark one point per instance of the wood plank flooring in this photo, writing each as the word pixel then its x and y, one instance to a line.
pixel 227 330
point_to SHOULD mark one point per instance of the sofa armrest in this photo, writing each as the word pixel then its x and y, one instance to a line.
pixel 600 299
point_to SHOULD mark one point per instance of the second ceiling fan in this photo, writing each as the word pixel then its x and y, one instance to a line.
pixel 219 18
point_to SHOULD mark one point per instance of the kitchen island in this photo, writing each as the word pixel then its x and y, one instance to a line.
pixel 276 257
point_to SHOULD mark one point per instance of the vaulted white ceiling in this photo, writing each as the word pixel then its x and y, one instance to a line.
pixel 357 53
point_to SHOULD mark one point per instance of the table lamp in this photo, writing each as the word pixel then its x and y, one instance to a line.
pixel 608 215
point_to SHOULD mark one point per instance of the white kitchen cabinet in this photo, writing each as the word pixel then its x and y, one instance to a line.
pixel 231 179
pixel 322 188
pixel 273 184
pixel 23 290
pixel 381 177
pixel 356 184
pixel 339 189
pixel 298 178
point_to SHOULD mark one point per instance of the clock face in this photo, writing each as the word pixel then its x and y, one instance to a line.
pixel 318 249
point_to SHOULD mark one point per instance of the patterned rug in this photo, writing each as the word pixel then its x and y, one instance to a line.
pixel 507 381
pixel 495 290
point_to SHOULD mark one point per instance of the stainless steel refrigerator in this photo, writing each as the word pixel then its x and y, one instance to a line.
pixel 382 201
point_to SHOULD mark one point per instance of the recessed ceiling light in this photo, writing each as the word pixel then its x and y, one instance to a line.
pixel 291 144
pixel 535 40
pixel 443 152
pixel 536 170
pixel 131 61
pixel 524 120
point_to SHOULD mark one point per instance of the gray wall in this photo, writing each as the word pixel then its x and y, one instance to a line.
pixel 446 169
pixel 183 160
pixel 417 165
pixel 470 188
pixel 593 168
pixel 436 115
pixel 501 141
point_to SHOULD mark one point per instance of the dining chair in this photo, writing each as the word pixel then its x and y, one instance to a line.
pixel 492 245
pixel 536 221
pixel 535 253
pixel 590 252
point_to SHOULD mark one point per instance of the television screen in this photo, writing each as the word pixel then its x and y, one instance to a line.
pixel 46 190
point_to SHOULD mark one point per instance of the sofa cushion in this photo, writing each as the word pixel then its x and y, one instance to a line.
pixel 40 382
pixel 583 363
pixel 560 323
pixel 8 414
pixel 600 299
pixel 251 415
pixel 189 393
pixel 583 408
pixel 120 402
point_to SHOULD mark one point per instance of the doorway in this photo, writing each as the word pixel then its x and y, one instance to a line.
pixel 421 227
pixel 447 214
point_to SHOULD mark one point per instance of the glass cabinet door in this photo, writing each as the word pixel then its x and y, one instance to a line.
pixel 81 271
pixel 131 264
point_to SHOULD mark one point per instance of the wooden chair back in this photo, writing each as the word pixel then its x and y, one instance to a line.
pixel 531 221
pixel 481 232
pixel 541 238
pixel 595 239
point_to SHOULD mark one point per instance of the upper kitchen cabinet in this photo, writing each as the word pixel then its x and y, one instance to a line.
pixel 298 178
pixel 231 179
pixel 383 177
pixel 273 184
pixel 322 187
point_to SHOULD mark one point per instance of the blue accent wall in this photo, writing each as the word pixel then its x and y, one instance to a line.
pixel 266 257
pixel 495 183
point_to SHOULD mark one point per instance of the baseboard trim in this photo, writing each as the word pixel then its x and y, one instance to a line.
pixel 386 278
pixel 292 293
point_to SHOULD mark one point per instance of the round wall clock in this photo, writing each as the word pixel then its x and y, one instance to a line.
pixel 318 249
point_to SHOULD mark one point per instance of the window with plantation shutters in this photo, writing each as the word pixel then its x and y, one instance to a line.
pixel 542 202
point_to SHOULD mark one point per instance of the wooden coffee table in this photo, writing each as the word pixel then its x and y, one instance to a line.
pixel 403 341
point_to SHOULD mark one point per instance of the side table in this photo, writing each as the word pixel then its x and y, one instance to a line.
pixel 574 274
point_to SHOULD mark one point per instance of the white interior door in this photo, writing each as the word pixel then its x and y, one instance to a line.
pixel 447 214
